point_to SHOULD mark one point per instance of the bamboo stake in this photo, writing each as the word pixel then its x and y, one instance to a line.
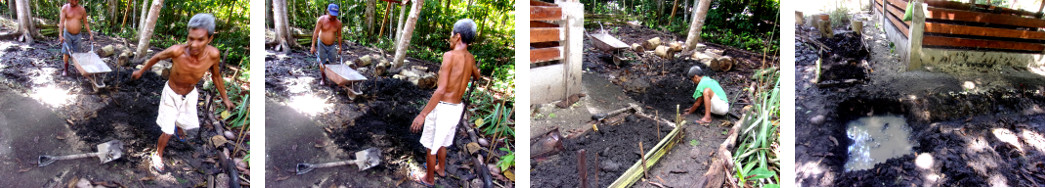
pixel 658 125
pixel 598 168
pixel 641 151
pixel 388 10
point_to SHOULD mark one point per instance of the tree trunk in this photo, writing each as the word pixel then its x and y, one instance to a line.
pixel 674 7
pixel 370 13
pixel 147 29
pixel 279 16
pixel 126 11
pixel 25 21
pixel 698 21
pixel 685 5
pixel 408 30
pixel 399 27
pixel 143 16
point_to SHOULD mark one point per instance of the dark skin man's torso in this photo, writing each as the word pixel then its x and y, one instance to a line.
pixel 188 70
pixel 328 27
pixel 73 18
pixel 460 69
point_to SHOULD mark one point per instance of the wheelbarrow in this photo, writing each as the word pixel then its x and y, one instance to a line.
pixel 365 159
pixel 90 65
pixel 107 152
pixel 341 75
pixel 602 40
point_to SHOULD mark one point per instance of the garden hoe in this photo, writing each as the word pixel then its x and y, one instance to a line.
pixel 365 159
pixel 107 152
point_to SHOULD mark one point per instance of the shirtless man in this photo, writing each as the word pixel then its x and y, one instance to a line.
pixel 328 30
pixel 190 61
pixel 69 23
pixel 440 120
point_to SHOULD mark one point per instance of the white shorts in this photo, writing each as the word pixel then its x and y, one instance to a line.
pixel 441 126
pixel 719 106
pixel 177 110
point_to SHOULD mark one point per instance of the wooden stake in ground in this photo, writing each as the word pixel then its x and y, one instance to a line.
pixel 658 125
pixel 598 167
pixel 582 169
pixel 642 153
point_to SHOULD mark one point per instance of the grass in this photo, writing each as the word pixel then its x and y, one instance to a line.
pixel 755 158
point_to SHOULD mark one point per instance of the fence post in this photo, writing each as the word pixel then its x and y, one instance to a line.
pixel 573 48
pixel 917 31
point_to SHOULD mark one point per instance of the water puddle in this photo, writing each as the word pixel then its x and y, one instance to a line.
pixel 877 139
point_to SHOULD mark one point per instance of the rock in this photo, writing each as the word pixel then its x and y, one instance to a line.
pixel 675 46
pixel 477 183
pixel 483 142
pixel 700 47
pixel 240 163
pixel 493 168
pixel 365 61
pixel 637 47
pixel 969 85
pixel 610 166
pixel 106 51
pixel 221 180
pixel 694 153
pixel 83 183
pixel 663 52
pixel 652 43
pixel 817 120
pixel 229 135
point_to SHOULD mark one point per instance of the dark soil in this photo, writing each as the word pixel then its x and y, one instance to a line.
pixel 946 122
pixel 380 118
pixel 615 145
pixel 125 110
pixel 661 83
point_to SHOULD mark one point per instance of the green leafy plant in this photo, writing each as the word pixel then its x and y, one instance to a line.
pixel 507 161
pixel 755 159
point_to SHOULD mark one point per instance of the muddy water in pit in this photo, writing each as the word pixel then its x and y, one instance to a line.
pixel 877 139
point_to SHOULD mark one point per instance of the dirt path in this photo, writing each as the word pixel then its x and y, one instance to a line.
pixel 947 119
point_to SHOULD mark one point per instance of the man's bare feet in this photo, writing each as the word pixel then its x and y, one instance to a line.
pixel 157 162
pixel 440 170
pixel 422 179
pixel 705 120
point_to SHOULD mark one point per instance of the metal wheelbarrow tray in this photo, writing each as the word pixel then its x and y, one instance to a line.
pixel 609 44
pixel 91 66
pixel 343 75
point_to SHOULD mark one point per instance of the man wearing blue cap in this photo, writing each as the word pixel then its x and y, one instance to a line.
pixel 328 30
pixel 190 61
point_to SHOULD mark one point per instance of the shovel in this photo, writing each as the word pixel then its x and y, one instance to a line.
pixel 107 152
pixel 365 159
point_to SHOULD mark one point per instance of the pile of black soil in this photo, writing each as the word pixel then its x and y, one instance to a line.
pixel 617 147
pixel 845 55
pixel 661 83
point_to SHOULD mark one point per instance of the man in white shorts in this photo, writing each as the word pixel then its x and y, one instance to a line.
pixel 709 93
pixel 443 111
pixel 190 61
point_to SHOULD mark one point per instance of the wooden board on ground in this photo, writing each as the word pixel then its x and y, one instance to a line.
pixel 89 63
pixel 342 74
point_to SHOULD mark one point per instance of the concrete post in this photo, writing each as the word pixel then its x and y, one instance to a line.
pixel 573 45
pixel 917 31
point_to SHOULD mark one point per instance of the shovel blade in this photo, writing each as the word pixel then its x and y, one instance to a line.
pixel 45 160
pixel 110 151
pixel 368 158
pixel 303 168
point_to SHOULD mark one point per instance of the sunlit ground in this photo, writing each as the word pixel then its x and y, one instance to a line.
pixel 309 104
pixel 52 96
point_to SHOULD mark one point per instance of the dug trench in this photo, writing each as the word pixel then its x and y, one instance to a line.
pixel 379 118
pixel 616 143
pixel 125 110
pixel 980 149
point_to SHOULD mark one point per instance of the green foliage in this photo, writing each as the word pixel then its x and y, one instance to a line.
pixel 507 161
pixel 755 157
pixel 748 25
pixel 839 16
pixel 694 142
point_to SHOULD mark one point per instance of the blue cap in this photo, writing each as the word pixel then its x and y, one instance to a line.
pixel 332 8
